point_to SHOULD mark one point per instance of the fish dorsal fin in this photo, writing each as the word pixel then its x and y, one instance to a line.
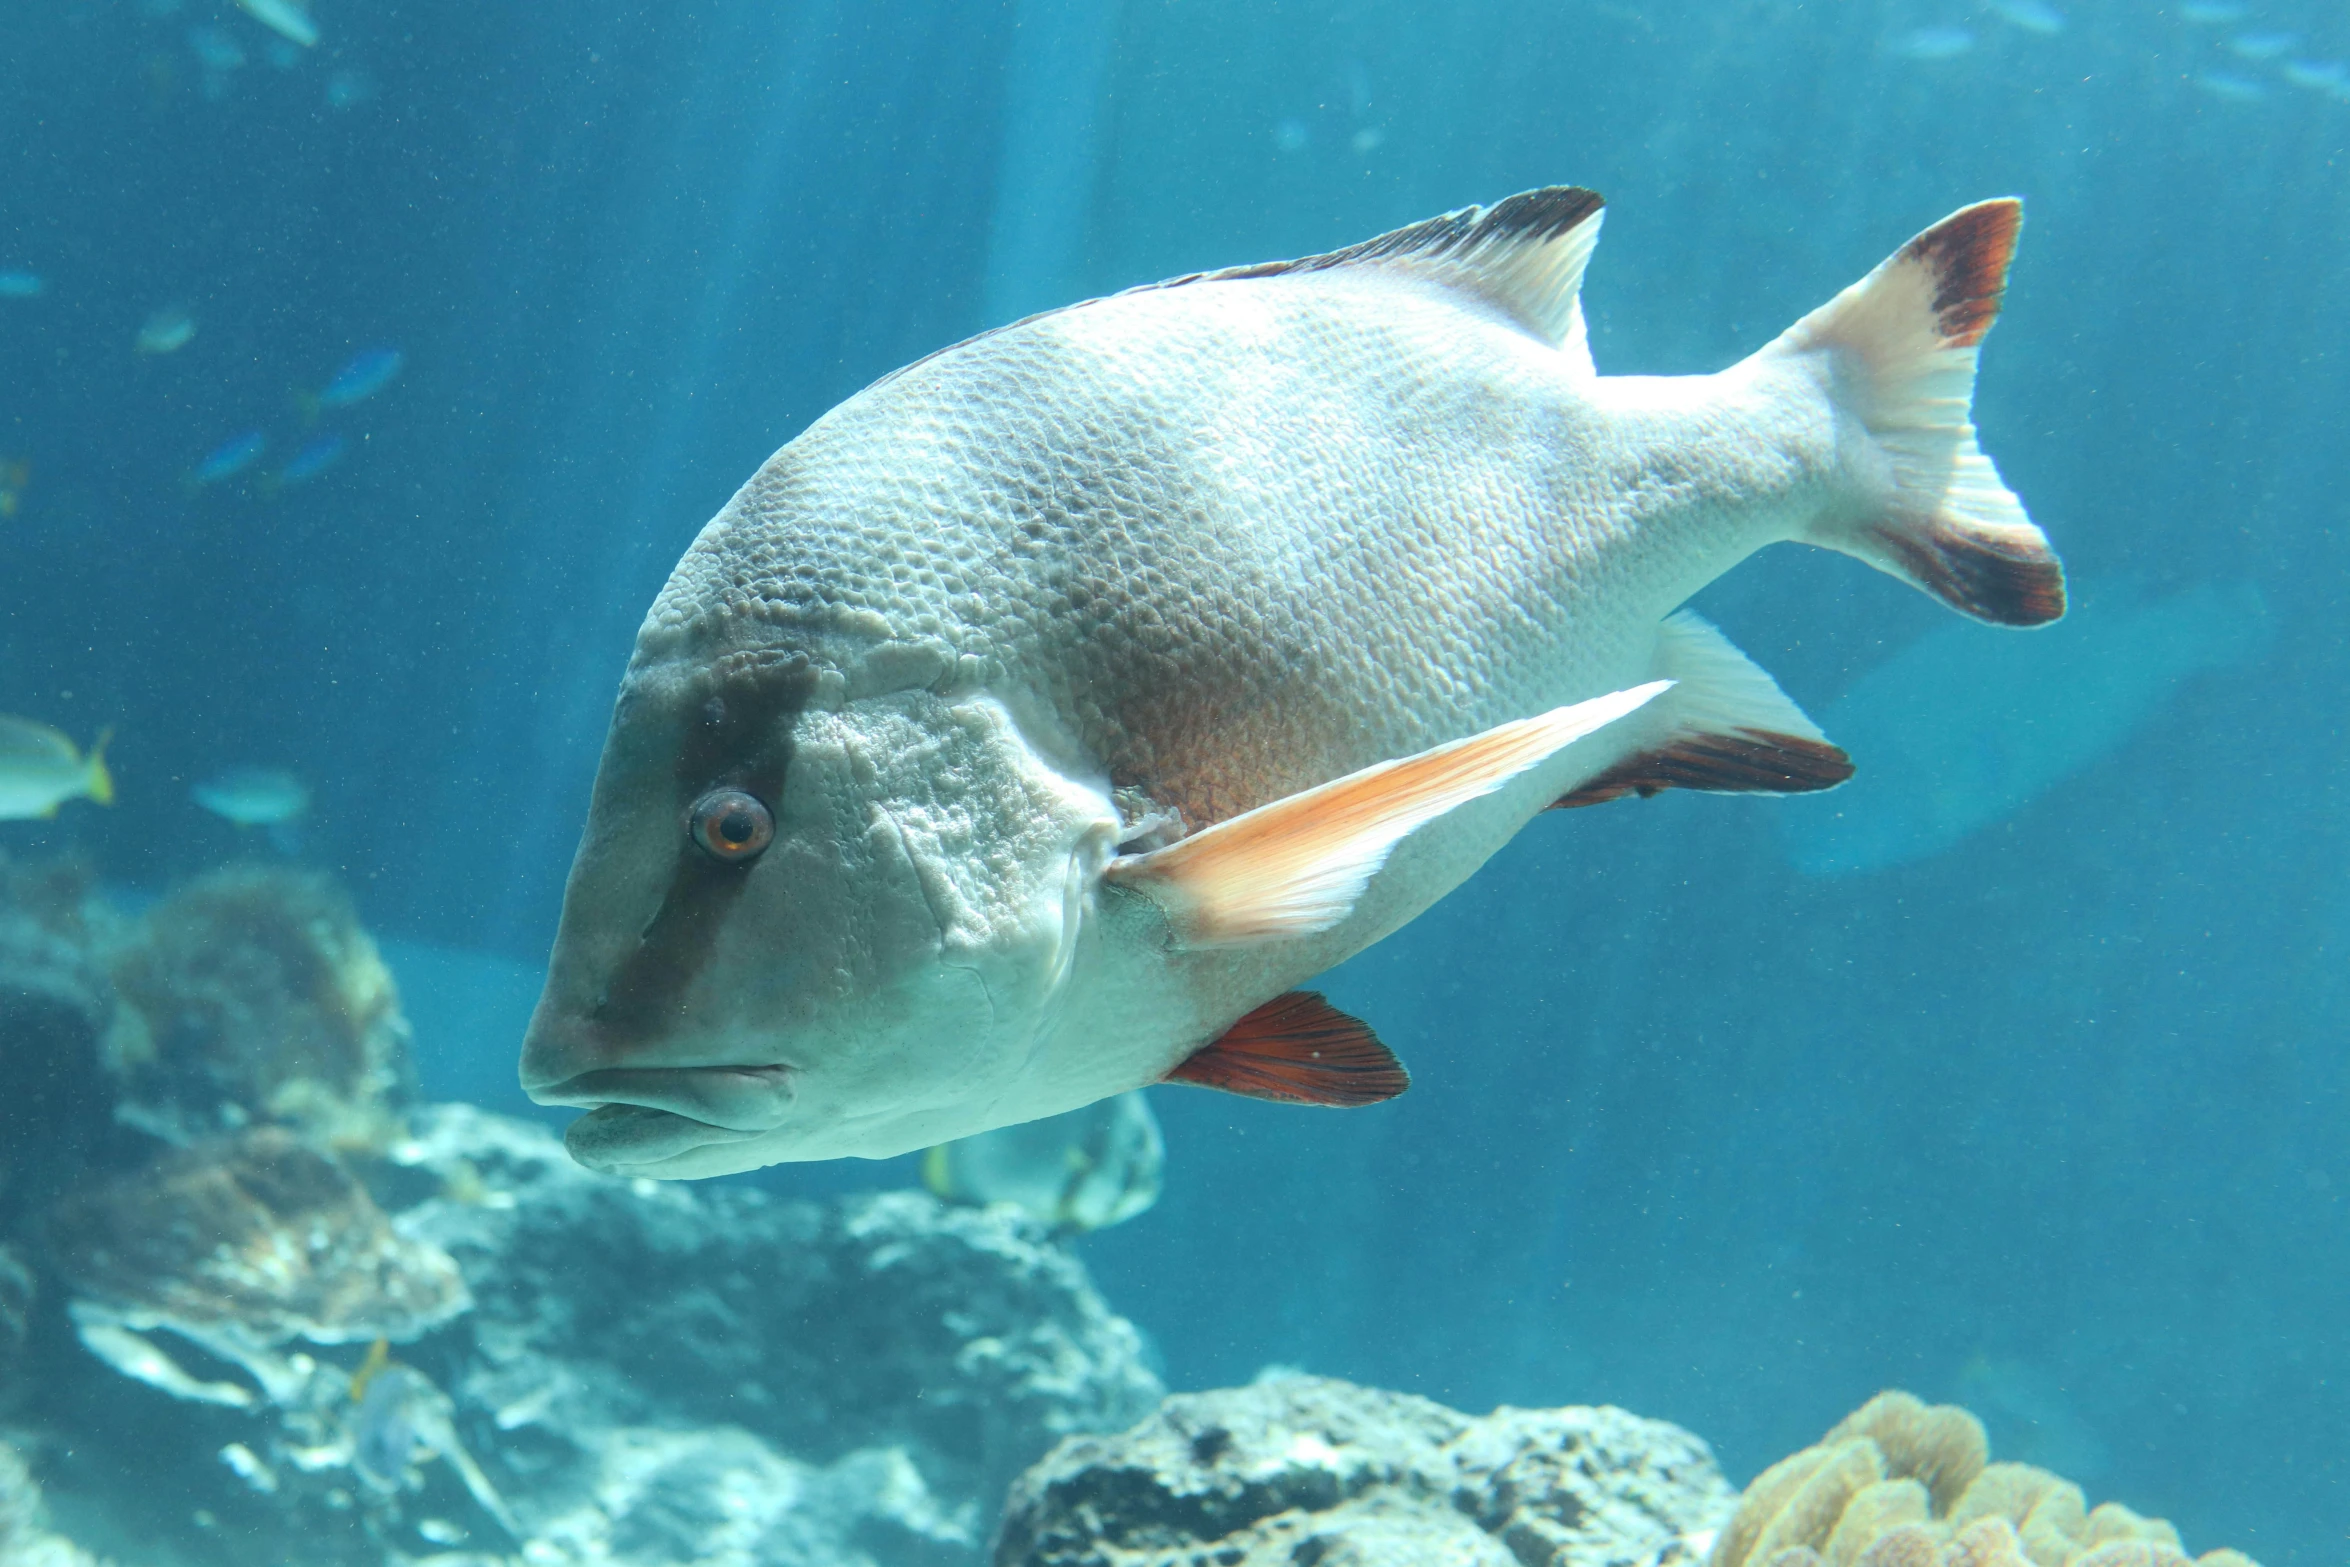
pixel 1725 727
pixel 1298 1049
pixel 1524 255
pixel 1296 866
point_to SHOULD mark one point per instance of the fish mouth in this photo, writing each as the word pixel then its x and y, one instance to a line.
pixel 723 1102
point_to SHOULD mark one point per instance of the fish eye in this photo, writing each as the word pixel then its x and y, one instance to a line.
pixel 731 825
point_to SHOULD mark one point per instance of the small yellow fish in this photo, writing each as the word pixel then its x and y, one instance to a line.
pixel 379 1355
pixel 14 476
pixel 40 770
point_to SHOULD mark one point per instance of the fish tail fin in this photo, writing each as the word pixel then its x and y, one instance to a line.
pixel 1900 348
pixel 100 781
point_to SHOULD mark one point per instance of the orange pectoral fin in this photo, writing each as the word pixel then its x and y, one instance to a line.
pixel 1296 866
pixel 1298 1049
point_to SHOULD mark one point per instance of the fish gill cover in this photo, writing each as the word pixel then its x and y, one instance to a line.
pixel 2045 1113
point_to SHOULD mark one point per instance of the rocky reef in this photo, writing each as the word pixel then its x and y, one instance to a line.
pixel 1900 1484
pixel 1300 1471
pixel 597 1371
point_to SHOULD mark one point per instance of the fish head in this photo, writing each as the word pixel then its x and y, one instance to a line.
pixel 808 919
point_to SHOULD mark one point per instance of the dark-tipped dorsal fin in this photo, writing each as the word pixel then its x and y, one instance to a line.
pixel 1524 255
pixel 1298 1049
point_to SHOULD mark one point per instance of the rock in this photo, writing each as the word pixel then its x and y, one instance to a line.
pixel 25 1537
pixel 1308 1472
pixel 18 1287
pixel 55 1006
pixel 964 1336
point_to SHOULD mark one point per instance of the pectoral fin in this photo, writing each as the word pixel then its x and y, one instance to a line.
pixel 1299 1049
pixel 1297 866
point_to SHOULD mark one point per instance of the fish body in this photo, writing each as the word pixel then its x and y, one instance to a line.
pixel 286 18
pixel 1030 726
pixel 15 475
pixel 40 769
pixel 230 458
pixel 2033 16
pixel 313 459
pixel 253 796
pixel 367 374
pixel 1086 1169
pixel 1964 728
pixel 1934 43
pixel 16 283
pixel 167 331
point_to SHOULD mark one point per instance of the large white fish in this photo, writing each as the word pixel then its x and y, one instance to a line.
pixel 1030 726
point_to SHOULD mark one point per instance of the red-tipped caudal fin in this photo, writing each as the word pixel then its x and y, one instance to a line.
pixel 1901 347
pixel 1298 1049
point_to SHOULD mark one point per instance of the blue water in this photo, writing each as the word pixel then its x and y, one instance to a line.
pixel 2054 1120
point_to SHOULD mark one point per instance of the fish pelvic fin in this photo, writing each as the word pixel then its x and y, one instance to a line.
pixel 1297 866
pixel 1298 1049
pixel 98 783
pixel 1725 728
pixel 1900 346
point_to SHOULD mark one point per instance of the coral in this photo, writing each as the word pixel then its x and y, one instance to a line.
pixel 251 1240
pixel 1901 1484
pixel 253 993
pixel 1297 1471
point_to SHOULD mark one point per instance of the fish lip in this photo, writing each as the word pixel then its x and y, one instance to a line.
pixel 628 1139
pixel 724 1097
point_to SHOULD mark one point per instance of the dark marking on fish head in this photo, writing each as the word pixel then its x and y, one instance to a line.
pixel 646 910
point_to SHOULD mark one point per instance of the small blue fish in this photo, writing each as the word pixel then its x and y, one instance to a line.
pixel 2261 46
pixel 1934 43
pixel 215 50
pixel 312 460
pixel 2317 75
pixel 2230 88
pixel 18 284
pixel 230 458
pixel 2029 15
pixel 366 375
pixel 254 796
pixel 2033 16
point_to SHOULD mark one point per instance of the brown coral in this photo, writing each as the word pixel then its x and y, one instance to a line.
pixel 254 994
pixel 259 1235
pixel 1900 1484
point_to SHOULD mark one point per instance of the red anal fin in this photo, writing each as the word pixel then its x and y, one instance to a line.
pixel 1745 761
pixel 1298 1049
